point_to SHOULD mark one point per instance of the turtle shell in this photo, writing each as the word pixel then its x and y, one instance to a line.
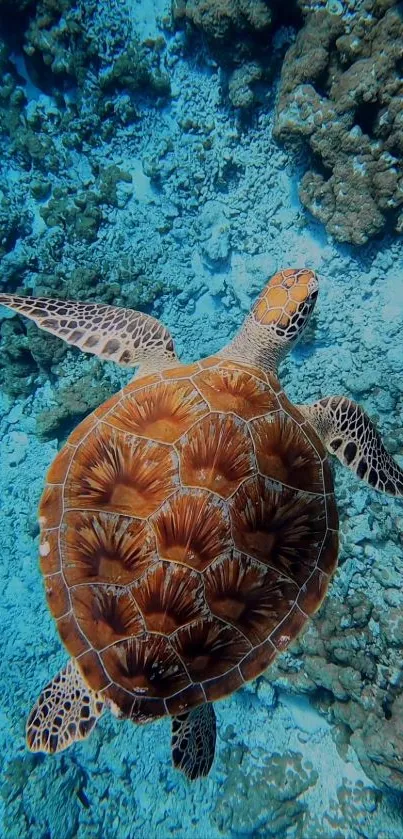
pixel 188 531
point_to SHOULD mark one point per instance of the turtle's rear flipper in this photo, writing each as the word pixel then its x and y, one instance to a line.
pixel 193 741
pixel 65 712
pixel 348 433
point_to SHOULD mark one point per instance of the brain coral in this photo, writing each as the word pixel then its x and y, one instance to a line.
pixel 341 93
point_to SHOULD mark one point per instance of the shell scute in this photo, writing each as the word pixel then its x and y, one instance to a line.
pixel 219 687
pixel 258 660
pixel 49 554
pixel 192 528
pixel 288 629
pixel 209 648
pixel 248 595
pixel 190 697
pixel 169 597
pixel 72 638
pixel 84 427
pixel 162 412
pixel 284 453
pixel 216 454
pixel 92 670
pixel 121 473
pixel 235 390
pixel 106 614
pixel 311 595
pixel 281 527
pixel 57 595
pixel 59 466
pixel 105 548
pixel 51 506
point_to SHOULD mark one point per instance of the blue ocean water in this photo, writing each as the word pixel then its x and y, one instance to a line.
pixel 129 177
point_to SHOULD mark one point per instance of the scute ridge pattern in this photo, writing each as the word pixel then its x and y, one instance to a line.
pixel 187 533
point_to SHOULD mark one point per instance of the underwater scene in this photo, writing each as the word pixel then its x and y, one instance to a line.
pixel 201 419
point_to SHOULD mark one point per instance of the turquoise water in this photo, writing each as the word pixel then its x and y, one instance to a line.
pixel 147 178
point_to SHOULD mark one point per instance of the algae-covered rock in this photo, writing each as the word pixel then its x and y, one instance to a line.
pixel 240 87
pixel 354 680
pixel 80 216
pixel 224 19
pixel 29 780
pixel 108 181
pixel 215 232
pixel 15 221
pixel 341 94
pixel 64 41
pixel 26 352
pixel 266 801
pixel 17 365
pixel 72 403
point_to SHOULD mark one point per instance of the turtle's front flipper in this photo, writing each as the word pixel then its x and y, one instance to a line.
pixel 122 335
pixel 193 741
pixel 65 712
pixel 348 433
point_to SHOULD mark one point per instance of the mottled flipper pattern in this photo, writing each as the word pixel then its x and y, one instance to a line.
pixel 193 741
pixel 125 336
pixel 65 712
pixel 348 433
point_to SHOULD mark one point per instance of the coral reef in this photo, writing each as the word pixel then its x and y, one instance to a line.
pixel 341 94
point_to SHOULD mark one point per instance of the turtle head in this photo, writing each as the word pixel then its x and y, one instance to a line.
pixel 286 303
pixel 277 320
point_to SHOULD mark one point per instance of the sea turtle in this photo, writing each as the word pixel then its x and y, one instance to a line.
pixel 188 527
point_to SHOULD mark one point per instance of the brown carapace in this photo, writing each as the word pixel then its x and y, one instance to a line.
pixel 188 531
